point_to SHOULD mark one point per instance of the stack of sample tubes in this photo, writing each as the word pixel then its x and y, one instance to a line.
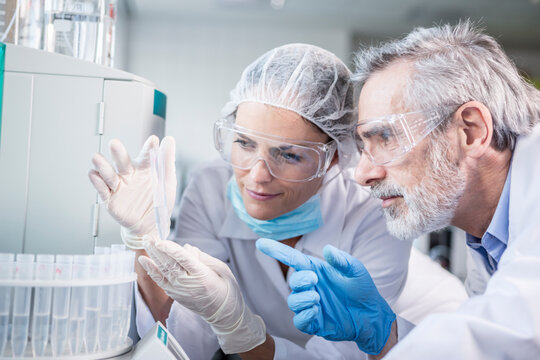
pixel 65 305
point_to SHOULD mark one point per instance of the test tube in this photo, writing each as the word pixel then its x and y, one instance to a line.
pixel 105 315
pixel 127 264
pixel 118 248
pixel 24 270
pixel 116 295
pixel 93 304
pixel 42 304
pixel 99 250
pixel 7 267
pixel 81 270
pixel 59 329
pixel 161 211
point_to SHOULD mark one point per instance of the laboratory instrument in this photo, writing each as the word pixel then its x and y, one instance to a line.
pixel 53 104
pixel 158 344
pixel 47 137
pixel 84 29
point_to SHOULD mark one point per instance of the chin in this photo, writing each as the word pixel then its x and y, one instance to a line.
pixel 261 212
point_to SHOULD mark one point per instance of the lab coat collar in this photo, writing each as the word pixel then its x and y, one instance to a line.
pixel 273 270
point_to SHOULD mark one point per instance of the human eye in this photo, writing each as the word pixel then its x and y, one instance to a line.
pixel 381 135
pixel 286 154
pixel 359 142
pixel 245 143
pixel 291 157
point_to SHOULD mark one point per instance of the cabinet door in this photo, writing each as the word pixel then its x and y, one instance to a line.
pixel 63 136
pixel 14 141
pixel 130 116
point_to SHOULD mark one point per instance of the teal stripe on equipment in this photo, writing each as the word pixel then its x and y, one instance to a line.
pixel 2 63
pixel 160 104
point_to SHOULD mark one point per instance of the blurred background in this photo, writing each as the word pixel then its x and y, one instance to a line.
pixel 195 50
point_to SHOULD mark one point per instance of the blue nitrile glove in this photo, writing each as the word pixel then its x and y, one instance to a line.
pixel 336 298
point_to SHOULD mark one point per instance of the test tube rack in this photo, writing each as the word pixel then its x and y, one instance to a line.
pixel 66 306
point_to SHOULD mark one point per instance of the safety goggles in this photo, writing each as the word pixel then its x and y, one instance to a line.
pixel 387 138
pixel 286 159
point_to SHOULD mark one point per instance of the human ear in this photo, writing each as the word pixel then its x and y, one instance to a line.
pixel 335 160
pixel 475 128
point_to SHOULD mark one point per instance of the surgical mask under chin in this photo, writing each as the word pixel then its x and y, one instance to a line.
pixel 302 220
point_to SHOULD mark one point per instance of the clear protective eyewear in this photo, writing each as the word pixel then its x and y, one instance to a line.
pixel 286 159
pixel 387 138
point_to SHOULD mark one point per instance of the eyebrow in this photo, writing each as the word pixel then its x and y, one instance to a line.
pixel 279 147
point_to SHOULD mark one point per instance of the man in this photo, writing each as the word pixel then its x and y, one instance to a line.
pixel 448 134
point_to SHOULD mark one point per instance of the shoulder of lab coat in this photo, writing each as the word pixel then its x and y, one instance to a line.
pixel 503 322
pixel 429 289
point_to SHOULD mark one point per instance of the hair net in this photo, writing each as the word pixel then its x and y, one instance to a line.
pixel 312 82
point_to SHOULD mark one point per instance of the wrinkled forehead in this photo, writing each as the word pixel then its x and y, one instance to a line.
pixel 382 93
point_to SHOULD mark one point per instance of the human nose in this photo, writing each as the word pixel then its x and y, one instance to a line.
pixel 367 173
pixel 260 172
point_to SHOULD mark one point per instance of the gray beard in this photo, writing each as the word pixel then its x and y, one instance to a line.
pixel 431 204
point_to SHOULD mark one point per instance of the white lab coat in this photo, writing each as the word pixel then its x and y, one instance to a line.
pixel 429 289
pixel 503 320
pixel 352 222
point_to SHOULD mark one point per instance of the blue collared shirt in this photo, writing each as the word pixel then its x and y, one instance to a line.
pixel 494 242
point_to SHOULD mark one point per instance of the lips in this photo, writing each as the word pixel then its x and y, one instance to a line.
pixel 387 200
pixel 261 196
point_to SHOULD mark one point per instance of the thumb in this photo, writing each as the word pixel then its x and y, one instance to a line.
pixel 343 262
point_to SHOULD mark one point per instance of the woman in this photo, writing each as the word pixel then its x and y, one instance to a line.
pixel 285 141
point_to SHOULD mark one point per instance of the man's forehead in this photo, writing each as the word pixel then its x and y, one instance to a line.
pixel 382 93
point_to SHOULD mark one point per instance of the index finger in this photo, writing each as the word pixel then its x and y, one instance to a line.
pixel 285 254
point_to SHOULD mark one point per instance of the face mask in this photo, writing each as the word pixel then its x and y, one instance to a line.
pixel 302 220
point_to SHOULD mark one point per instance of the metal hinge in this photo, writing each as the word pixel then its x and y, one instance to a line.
pixel 101 118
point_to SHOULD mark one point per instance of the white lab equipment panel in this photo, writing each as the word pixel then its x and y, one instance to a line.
pixel 56 112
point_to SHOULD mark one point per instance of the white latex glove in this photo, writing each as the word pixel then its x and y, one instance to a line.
pixel 206 286
pixel 127 191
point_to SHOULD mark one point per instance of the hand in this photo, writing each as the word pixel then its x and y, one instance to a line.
pixel 336 298
pixel 127 190
pixel 206 286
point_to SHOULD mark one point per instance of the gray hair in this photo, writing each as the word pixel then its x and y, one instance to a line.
pixel 456 64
